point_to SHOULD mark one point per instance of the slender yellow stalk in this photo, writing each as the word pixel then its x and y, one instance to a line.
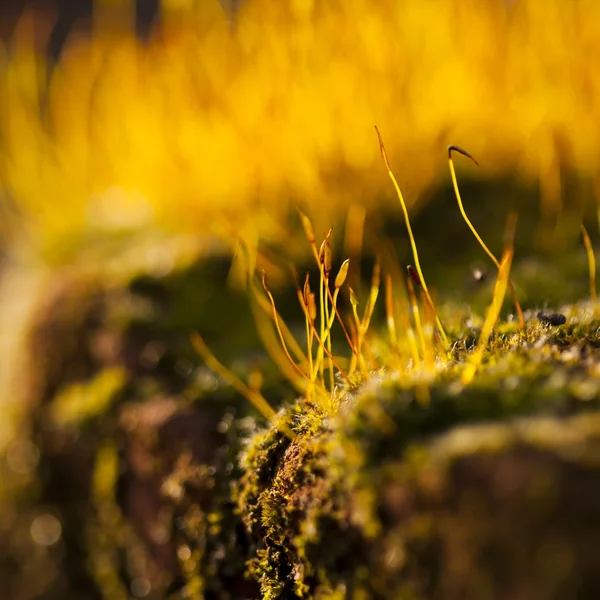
pixel 373 295
pixel 358 357
pixel 327 337
pixel 428 333
pixel 592 267
pixel 331 317
pixel 493 311
pixel 416 316
pixel 310 234
pixel 308 230
pixel 253 396
pixel 398 307
pixel 267 307
pixel 309 308
pixel 389 311
pixel 309 338
pixel 355 360
pixel 491 318
pixel 339 281
pixel 412 339
pixel 427 302
pixel 328 323
pixel 472 227
pixel 309 344
pixel 410 233
pixel 322 319
pixel 277 326
pixel 271 342
pixel 341 322
pixel 324 347
pixel 436 338
pixel 324 262
pixel 362 326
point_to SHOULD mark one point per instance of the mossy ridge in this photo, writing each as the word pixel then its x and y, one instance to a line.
pixel 270 496
pixel 540 370
pixel 318 496
pixel 342 468
pixel 487 511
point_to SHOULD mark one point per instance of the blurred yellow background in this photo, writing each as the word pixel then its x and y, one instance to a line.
pixel 223 120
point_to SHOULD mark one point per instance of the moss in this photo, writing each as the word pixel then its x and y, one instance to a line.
pixel 493 512
pixel 274 469
pixel 165 485
pixel 394 498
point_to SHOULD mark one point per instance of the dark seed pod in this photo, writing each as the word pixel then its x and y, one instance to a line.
pixel 414 275
pixel 552 318
pixel 325 256
pixel 306 290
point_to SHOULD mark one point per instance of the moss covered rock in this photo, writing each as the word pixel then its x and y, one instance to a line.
pixel 134 471
pixel 475 492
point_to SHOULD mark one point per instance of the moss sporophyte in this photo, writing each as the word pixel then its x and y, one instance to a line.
pixel 415 346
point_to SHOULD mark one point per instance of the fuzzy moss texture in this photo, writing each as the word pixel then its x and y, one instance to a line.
pixel 484 492
pixel 168 485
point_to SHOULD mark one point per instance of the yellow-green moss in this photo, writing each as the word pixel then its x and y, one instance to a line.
pixel 346 507
pixel 173 485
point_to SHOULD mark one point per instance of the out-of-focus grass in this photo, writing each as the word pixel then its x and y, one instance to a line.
pixel 214 120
